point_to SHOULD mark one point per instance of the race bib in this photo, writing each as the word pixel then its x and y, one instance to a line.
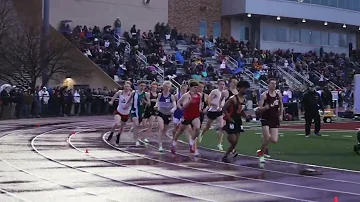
pixel 231 126
pixel 276 103
pixel 167 100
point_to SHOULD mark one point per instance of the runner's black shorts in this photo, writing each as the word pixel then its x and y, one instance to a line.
pixel 212 115
pixel 165 118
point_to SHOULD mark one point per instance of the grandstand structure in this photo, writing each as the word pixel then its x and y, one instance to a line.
pixel 251 33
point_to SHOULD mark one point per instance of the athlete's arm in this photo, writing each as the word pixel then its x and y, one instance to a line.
pixel 114 97
pixel 261 103
pixel 281 107
pixel 130 101
pixel 211 100
pixel 186 100
pixel 224 95
pixel 173 100
pixel 228 103
pixel 157 101
pixel 146 100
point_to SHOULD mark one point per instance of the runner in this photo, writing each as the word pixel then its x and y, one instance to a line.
pixel 139 101
pixel 165 105
pixel 122 112
pixel 215 113
pixel 226 94
pixel 150 112
pixel 271 107
pixel 190 103
pixel 178 114
pixel 233 111
pixel 203 103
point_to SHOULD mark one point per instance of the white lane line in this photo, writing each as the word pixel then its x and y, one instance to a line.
pixel 204 170
pixel 45 179
pixel 347 136
pixel 300 134
pixel 271 171
pixel 240 177
pixel 14 195
pixel 101 176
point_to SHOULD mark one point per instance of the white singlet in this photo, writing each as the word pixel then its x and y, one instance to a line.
pixel 123 99
pixel 216 99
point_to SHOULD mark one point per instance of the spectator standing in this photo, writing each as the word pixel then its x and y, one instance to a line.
pixel 28 101
pixel 76 102
pixel 45 97
pixel 117 26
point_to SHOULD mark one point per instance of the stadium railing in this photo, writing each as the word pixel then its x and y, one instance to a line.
pixel 291 81
pixel 298 75
pixel 331 84
pixel 261 83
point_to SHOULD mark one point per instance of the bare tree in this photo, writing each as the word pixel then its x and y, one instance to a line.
pixel 7 17
pixel 20 57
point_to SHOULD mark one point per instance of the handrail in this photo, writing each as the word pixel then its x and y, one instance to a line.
pixel 251 76
pixel 289 75
pixel 300 75
pixel 142 57
pixel 333 85
pixel 218 52
pixel 232 61
pixel 122 40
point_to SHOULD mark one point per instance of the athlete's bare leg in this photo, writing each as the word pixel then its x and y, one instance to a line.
pixel 117 122
pixel 233 140
pixel 136 123
pixel 220 132
pixel 207 127
pixel 274 133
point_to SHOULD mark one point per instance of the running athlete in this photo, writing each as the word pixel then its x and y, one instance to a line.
pixel 139 101
pixel 166 106
pixel 122 111
pixel 271 107
pixel 226 94
pixel 150 112
pixel 190 103
pixel 178 114
pixel 234 110
pixel 203 101
pixel 215 112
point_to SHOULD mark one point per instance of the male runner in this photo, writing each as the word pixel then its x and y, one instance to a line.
pixel 203 101
pixel 165 105
pixel 215 112
pixel 233 111
pixel 139 101
pixel 122 111
pixel 150 112
pixel 178 114
pixel 190 103
pixel 226 94
pixel 271 107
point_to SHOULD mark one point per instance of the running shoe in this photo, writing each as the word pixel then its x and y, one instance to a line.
pixel 117 140
pixel 161 149
pixel 146 140
pixel 196 153
pixel 225 159
pixel 137 143
pixel 235 154
pixel 317 134
pixel 266 154
pixel 262 159
pixel 173 149
pixel 109 137
pixel 261 156
pixel 220 147
pixel 191 149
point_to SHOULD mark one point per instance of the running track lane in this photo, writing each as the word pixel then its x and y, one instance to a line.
pixel 345 189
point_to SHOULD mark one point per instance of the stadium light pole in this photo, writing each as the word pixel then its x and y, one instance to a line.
pixel 45 32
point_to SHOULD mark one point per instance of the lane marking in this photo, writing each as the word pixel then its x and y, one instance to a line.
pixel 347 136
pixel 101 176
pixel 300 134
pixel 14 195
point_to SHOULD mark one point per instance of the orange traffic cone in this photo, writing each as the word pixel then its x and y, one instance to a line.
pixel 73 133
pixel 87 151
pixel 336 199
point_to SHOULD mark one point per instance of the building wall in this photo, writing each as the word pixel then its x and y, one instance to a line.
pixel 287 27
pixel 105 12
pixel 186 15
pixel 292 9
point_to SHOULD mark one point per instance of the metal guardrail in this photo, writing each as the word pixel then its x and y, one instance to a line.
pixel 332 85
pixel 299 75
pixel 232 61
pixel 141 57
pixel 262 84
pixel 122 40
pixel 294 83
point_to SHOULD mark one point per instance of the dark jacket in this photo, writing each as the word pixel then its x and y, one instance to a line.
pixel 311 102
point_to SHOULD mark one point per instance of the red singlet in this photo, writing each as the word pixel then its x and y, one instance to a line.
pixel 193 109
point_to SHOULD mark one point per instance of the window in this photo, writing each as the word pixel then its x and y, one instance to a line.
pixel 349 4
pixel 334 39
pixel 268 33
pixel 325 38
pixel 316 37
pixel 203 28
pixel 315 1
pixel 244 33
pixel 305 36
pixel 342 4
pixel 343 42
pixel 282 34
pixel 216 29
pixel 295 35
